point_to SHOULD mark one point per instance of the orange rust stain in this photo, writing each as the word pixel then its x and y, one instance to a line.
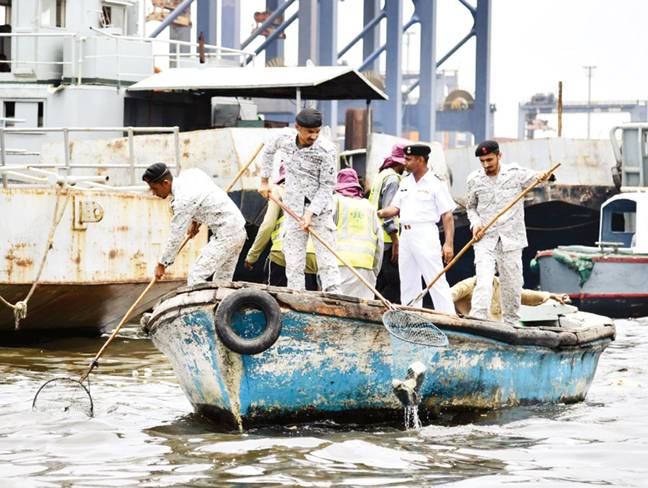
pixel 118 144
pixel 113 254
pixel 122 228
pixel 186 141
pixel 185 155
pixel 25 263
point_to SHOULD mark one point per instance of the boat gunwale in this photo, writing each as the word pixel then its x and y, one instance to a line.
pixel 557 338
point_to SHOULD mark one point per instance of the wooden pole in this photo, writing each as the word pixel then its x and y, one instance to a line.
pixel 542 178
pixel 127 315
pixel 244 168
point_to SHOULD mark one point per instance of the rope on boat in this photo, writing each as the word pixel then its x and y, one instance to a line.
pixel 20 307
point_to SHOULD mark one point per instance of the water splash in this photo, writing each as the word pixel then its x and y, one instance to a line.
pixel 412 421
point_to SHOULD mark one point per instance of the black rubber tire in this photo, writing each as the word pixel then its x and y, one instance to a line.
pixel 252 298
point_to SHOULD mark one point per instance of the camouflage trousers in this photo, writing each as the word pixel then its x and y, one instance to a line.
pixel 295 252
pixel 509 264
pixel 218 257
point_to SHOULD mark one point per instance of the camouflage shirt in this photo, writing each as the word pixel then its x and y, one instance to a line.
pixel 310 172
pixel 488 195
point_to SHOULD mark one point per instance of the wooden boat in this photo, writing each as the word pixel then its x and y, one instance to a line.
pixel 611 278
pixel 334 359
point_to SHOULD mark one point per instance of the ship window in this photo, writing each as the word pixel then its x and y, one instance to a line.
pixel 114 16
pixel 624 222
pixel 9 112
pixel 53 13
pixel 41 109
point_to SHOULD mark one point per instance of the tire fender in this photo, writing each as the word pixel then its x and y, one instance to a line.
pixel 235 302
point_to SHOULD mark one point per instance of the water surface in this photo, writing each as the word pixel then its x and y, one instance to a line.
pixel 144 433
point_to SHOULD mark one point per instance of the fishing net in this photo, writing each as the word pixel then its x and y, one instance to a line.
pixel 414 329
pixel 413 338
pixel 63 395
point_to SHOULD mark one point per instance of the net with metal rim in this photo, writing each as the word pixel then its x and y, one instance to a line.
pixel 413 328
pixel 64 395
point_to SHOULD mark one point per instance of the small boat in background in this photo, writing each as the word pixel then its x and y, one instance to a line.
pixel 610 279
pixel 334 359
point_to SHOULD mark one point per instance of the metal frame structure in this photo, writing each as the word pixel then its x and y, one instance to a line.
pixel 317 43
pixel 638 110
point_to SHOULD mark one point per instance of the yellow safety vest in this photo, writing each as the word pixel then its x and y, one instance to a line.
pixel 356 239
pixel 278 234
pixel 374 196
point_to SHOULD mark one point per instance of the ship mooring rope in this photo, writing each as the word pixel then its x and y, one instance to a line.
pixel 20 307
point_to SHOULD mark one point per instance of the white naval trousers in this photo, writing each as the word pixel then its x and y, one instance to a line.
pixel 295 241
pixel 509 264
pixel 218 257
pixel 419 255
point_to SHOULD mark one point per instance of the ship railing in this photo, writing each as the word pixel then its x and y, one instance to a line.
pixel 177 53
pixel 42 173
pixel 14 63
pixel 184 53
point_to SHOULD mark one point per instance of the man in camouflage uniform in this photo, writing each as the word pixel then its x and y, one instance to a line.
pixel 310 179
pixel 197 200
pixel 490 189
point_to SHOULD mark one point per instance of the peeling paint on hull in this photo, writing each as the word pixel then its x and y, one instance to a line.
pixel 325 367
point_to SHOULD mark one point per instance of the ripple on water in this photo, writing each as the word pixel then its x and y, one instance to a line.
pixel 145 434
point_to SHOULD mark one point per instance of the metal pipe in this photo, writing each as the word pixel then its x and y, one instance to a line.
pixel 266 23
pixel 172 16
pixel 3 155
pixel 374 55
pixel 31 130
pixel 66 148
pixel 131 155
pixel 274 35
pixel 470 8
pixel 381 15
pixel 176 142
pixel 442 60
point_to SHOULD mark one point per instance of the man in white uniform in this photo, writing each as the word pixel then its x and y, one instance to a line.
pixel 490 189
pixel 421 201
pixel 197 200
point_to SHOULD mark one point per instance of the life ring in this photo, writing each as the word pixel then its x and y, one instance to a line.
pixel 252 298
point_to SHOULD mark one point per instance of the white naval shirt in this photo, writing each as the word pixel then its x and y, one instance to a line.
pixel 422 201
pixel 196 197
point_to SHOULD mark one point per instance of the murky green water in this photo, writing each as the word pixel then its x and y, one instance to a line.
pixel 144 433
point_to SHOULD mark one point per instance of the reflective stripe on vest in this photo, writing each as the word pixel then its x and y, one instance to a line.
pixel 278 235
pixel 356 239
pixel 374 196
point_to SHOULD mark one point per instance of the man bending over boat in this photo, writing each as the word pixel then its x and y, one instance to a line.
pixel 490 189
pixel 197 200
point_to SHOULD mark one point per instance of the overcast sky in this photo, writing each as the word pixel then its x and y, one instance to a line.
pixel 534 44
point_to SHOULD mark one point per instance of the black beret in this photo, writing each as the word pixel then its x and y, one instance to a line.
pixel 417 150
pixel 155 172
pixel 487 147
pixel 309 118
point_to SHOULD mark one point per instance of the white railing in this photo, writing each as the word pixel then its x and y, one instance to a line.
pixel 78 41
pixel 25 172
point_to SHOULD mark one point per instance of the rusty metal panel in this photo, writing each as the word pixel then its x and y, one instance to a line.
pixel 123 246
pixel 584 161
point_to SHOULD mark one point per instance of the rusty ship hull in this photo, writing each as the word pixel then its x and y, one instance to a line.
pixel 102 256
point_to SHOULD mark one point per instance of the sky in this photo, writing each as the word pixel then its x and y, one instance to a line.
pixel 534 45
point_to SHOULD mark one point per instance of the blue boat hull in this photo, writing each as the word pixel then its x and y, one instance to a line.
pixel 341 368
